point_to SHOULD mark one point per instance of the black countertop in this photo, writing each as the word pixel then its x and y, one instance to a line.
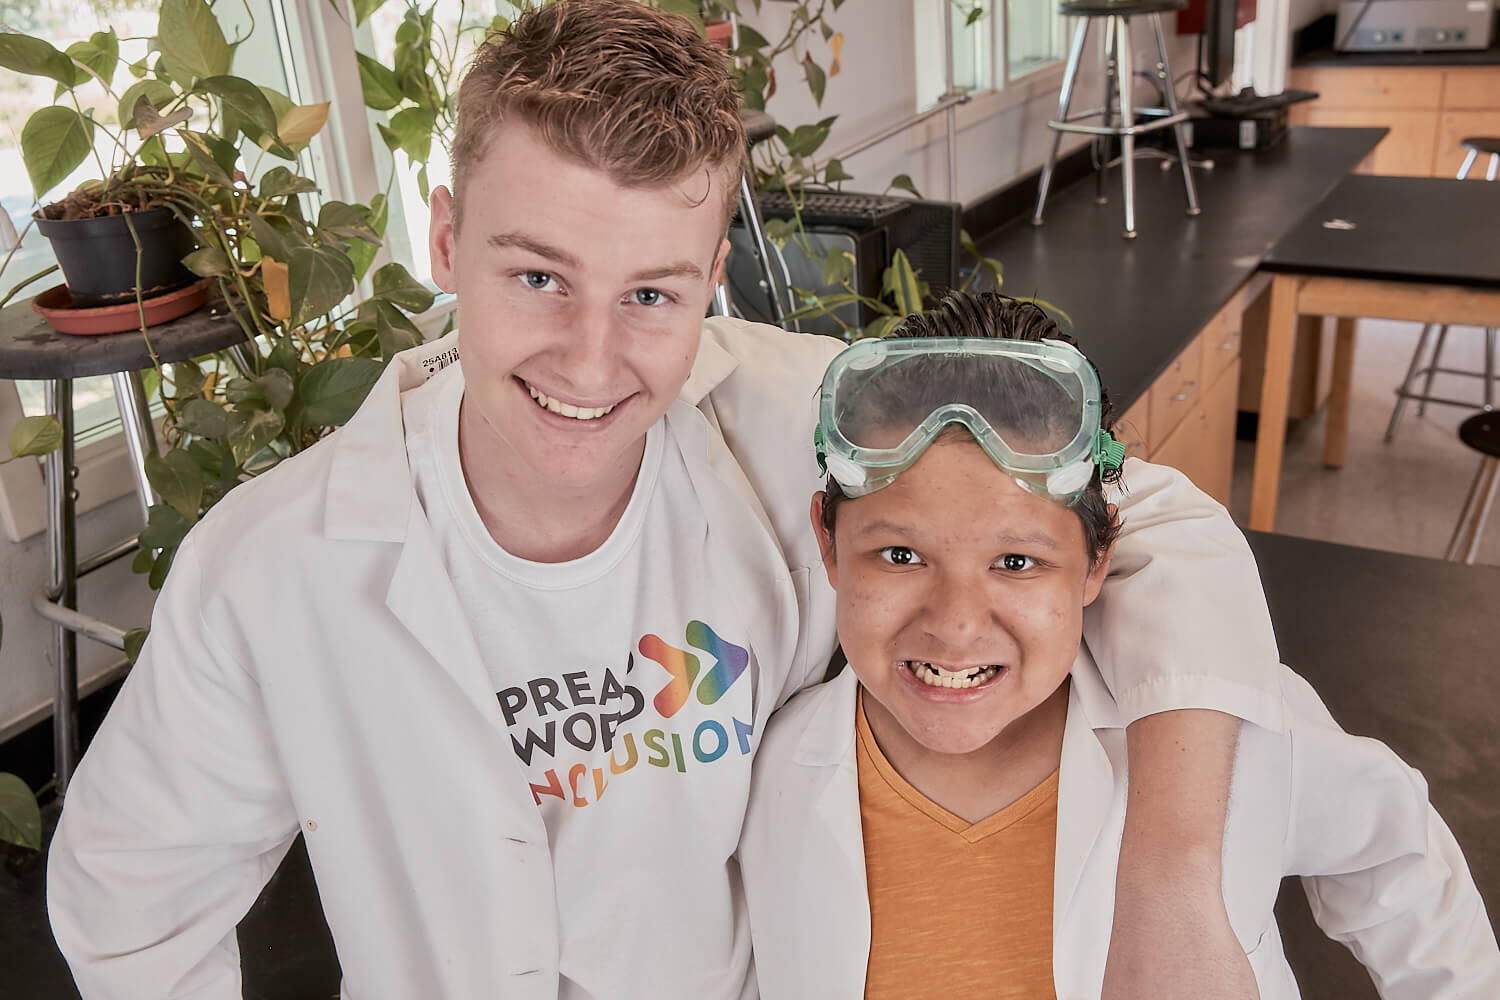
pixel 1135 304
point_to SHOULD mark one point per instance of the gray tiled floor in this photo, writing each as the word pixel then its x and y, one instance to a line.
pixel 1404 496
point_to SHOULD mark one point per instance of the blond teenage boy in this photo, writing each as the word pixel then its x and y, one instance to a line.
pixel 502 648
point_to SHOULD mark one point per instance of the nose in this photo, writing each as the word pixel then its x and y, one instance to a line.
pixel 959 613
pixel 591 350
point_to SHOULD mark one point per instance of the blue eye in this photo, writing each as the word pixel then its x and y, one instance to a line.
pixel 1017 563
pixel 649 297
pixel 541 281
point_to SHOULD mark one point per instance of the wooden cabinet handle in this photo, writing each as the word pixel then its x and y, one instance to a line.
pixel 1187 390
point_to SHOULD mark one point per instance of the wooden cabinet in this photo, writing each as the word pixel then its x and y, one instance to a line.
pixel 1187 417
pixel 1427 108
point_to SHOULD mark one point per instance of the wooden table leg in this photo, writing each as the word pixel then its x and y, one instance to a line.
pixel 1275 386
pixel 1336 437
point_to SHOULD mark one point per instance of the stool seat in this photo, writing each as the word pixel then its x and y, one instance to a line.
pixel 30 349
pixel 759 126
pixel 1122 8
pixel 1482 144
pixel 1482 433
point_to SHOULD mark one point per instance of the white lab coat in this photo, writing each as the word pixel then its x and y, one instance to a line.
pixel 1383 873
pixel 309 668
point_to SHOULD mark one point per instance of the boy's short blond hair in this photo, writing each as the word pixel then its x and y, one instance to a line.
pixel 622 87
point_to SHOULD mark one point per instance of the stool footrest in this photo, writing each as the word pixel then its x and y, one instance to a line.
pixel 79 623
pixel 1166 120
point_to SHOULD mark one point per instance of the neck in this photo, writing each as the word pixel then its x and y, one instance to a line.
pixel 536 520
pixel 978 784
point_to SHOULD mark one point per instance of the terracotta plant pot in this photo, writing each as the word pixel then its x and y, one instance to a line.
pixel 98 257
pixel 65 315
pixel 721 33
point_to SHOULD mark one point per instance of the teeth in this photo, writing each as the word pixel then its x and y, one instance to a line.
pixel 935 676
pixel 567 409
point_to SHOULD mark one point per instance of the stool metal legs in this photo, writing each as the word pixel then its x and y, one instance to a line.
pixel 140 436
pixel 62 580
pixel 1404 391
pixel 1119 81
pixel 761 248
pixel 1470 528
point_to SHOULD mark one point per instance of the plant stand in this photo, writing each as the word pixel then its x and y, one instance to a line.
pixel 30 349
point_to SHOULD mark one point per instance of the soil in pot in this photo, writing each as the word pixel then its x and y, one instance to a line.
pixel 98 256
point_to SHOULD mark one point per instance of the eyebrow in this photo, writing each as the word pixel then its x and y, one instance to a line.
pixel 1036 538
pixel 677 269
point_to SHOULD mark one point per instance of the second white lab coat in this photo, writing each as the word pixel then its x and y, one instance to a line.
pixel 1382 872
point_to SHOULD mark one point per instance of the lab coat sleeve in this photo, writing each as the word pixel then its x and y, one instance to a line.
pixel 1382 873
pixel 175 819
pixel 1181 621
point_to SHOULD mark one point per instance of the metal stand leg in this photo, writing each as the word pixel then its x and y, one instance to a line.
pixel 1170 91
pixel 140 436
pixel 1064 101
pixel 1469 158
pixel 1489 367
pixel 1437 357
pixel 62 583
pixel 759 246
pixel 720 304
pixel 1471 521
pixel 1127 120
pixel 1107 112
pixel 1401 393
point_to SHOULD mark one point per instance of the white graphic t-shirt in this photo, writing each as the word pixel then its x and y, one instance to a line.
pixel 625 683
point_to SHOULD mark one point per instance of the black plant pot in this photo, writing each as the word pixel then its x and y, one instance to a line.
pixel 98 257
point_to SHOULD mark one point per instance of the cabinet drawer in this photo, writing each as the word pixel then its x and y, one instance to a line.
pixel 1456 126
pixel 1405 152
pixel 1133 430
pixel 1176 390
pixel 1221 341
pixel 1372 87
pixel 1474 87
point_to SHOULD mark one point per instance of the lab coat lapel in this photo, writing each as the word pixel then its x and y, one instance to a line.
pixel 1085 794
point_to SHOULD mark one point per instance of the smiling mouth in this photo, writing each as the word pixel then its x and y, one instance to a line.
pixel 935 676
pixel 568 410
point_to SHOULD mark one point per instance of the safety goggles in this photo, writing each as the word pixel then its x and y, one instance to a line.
pixel 1033 406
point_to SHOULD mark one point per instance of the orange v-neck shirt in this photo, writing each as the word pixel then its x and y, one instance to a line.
pixel 957 909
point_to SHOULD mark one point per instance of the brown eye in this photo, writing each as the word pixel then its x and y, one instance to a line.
pixel 1016 563
pixel 899 555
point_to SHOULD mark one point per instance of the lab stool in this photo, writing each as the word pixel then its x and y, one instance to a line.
pixel 759 127
pixel 30 349
pixel 1119 112
pixel 1475 145
pixel 1482 433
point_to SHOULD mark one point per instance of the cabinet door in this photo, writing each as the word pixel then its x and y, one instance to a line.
pixel 1202 446
pixel 1406 152
pixel 1458 125
pixel 1472 87
pixel 1373 87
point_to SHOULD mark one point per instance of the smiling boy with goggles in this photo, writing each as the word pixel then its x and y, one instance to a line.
pixel 1033 406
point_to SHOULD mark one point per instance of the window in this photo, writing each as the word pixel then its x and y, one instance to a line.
pixel 995 43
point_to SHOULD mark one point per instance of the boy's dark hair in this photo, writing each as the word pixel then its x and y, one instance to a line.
pixel 916 388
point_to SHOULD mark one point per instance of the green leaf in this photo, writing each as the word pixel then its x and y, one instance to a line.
pixel 206 151
pixel 905 183
pixel 100 61
pixel 244 99
pixel 54 142
pixel 209 261
pixel 364 8
pixel 252 430
pixel 34 57
pixel 395 332
pixel 191 42
pixel 278 388
pixel 835 172
pixel 20 816
pixel 880 326
pixel 347 222
pixel 413 127
pixel 394 284
pixel 187 380
pixel 298 124
pixel 422 184
pixel 284 356
pixel 391 139
pixel 378 83
pixel 177 480
pixel 362 254
pixel 160 566
pixel 165 528
pixel 974 15
pixel 203 418
pixel 35 436
pixel 279 181
pixel 159 94
pixel 903 284
pixel 817 80
pixel 319 278
pixel 333 389
pixel 134 639
pixel 751 41
pixel 838 267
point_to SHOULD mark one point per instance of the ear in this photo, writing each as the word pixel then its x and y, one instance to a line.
pixel 442 240
pixel 1095 580
pixel 717 271
pixel 825 540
